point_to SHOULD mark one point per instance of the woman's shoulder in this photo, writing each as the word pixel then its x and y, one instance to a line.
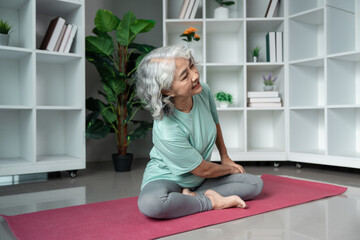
pixel 167 128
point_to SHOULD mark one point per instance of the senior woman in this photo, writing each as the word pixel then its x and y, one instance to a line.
pixel 180 180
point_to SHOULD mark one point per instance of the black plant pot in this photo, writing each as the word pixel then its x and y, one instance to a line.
pixel 122 163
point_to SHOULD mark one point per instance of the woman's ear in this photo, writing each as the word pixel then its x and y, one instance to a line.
pixel 166 92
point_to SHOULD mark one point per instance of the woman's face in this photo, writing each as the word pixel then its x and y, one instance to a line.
pixel 186 80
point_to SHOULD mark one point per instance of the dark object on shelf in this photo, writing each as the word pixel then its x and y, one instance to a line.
pixel 122 163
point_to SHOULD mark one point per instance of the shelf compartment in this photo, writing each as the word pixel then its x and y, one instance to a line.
pixel 71 11
pixel 307 84
pixel 173 8
pixel 296 6
pixel 17 76
pixel 342 27
pixel 59 84
pixel 175 29
pixel 235 11
pixel 344 132
pixel 343 82
pixel 256 35
pixel 266 131
pixel 224 42
pixel 233 129
pixel 306 33
pixel 229 79
pixel 63 142
pixel 255 80
pixel 16 136
pixel 18 13
pixel 257 8
pixel 307 131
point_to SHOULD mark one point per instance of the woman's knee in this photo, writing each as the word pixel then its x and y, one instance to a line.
pixel 150 205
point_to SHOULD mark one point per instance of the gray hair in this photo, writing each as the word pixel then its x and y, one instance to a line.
pixel 156 72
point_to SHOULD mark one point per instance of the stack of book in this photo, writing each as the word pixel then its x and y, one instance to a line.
pixel 59 36
pixel 274 47
pixel 268 99
pixel 188 9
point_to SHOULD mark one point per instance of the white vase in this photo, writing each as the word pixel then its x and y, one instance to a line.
pixel 268 88
pixel 224 104
pixel 255 59
pixel 221 13
pixel 4 39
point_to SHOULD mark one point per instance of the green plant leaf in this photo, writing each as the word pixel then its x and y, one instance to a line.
pixel 101 34
pixel 143 48
pixel 142 26
pixel 106 112
pixel 123 32
pixel 228 3
pixel 92 104
pixel 99 45
pixel 97 129
pixel 105 21
pixel 140 131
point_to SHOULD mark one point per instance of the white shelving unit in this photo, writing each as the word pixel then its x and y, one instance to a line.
pixel 318 81
pixel 42 93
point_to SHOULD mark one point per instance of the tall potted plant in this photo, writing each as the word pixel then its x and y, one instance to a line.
pixel 116 56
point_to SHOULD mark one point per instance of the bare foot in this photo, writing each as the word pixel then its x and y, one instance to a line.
pixel 220 202
pixel 187 191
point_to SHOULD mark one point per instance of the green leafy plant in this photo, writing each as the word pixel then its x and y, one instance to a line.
pixel 269 80
pixel 222 96
pixel 255 52
pixel 4 27
pixel 116 58
pixel 227 3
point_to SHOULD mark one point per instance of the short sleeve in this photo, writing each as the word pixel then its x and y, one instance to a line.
pixel 175 150
pixel 212 103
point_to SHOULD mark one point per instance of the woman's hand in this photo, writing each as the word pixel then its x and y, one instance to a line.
pixel 227 161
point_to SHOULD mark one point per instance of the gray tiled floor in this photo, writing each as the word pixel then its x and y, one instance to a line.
pixel 332 218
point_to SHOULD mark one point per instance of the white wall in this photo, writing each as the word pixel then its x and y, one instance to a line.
pixel 101 150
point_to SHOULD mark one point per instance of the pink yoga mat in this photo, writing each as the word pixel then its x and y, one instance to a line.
pixel 121 219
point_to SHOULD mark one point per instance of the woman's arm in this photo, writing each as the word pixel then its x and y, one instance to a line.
pixel 211 170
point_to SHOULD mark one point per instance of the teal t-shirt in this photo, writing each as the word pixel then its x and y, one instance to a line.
pixel 182 141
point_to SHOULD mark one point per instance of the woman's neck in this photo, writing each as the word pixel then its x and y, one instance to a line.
pixel 184 105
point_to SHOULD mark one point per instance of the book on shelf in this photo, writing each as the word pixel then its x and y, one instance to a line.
pixel 265 105
pixel 60 38
pixel 65 38
pixel 194 9
pixel 264 99
pixel 183 8
pixel 279 47
pixel 272 8
pixel 271 47
pixel 189 9
pixel 52 34
pixel 70 39
pixel 263 94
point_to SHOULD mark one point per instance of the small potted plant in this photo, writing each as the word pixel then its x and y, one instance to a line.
pixel 255 53
pixel 224 98
pixel 222 12
pixel 269 82
pixel 190 34
pixel 4 32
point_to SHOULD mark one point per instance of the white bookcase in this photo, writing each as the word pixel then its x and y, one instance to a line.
pixel 42 93
pixel 318 81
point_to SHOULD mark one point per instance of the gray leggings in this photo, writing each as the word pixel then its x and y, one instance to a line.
pixel 163 199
